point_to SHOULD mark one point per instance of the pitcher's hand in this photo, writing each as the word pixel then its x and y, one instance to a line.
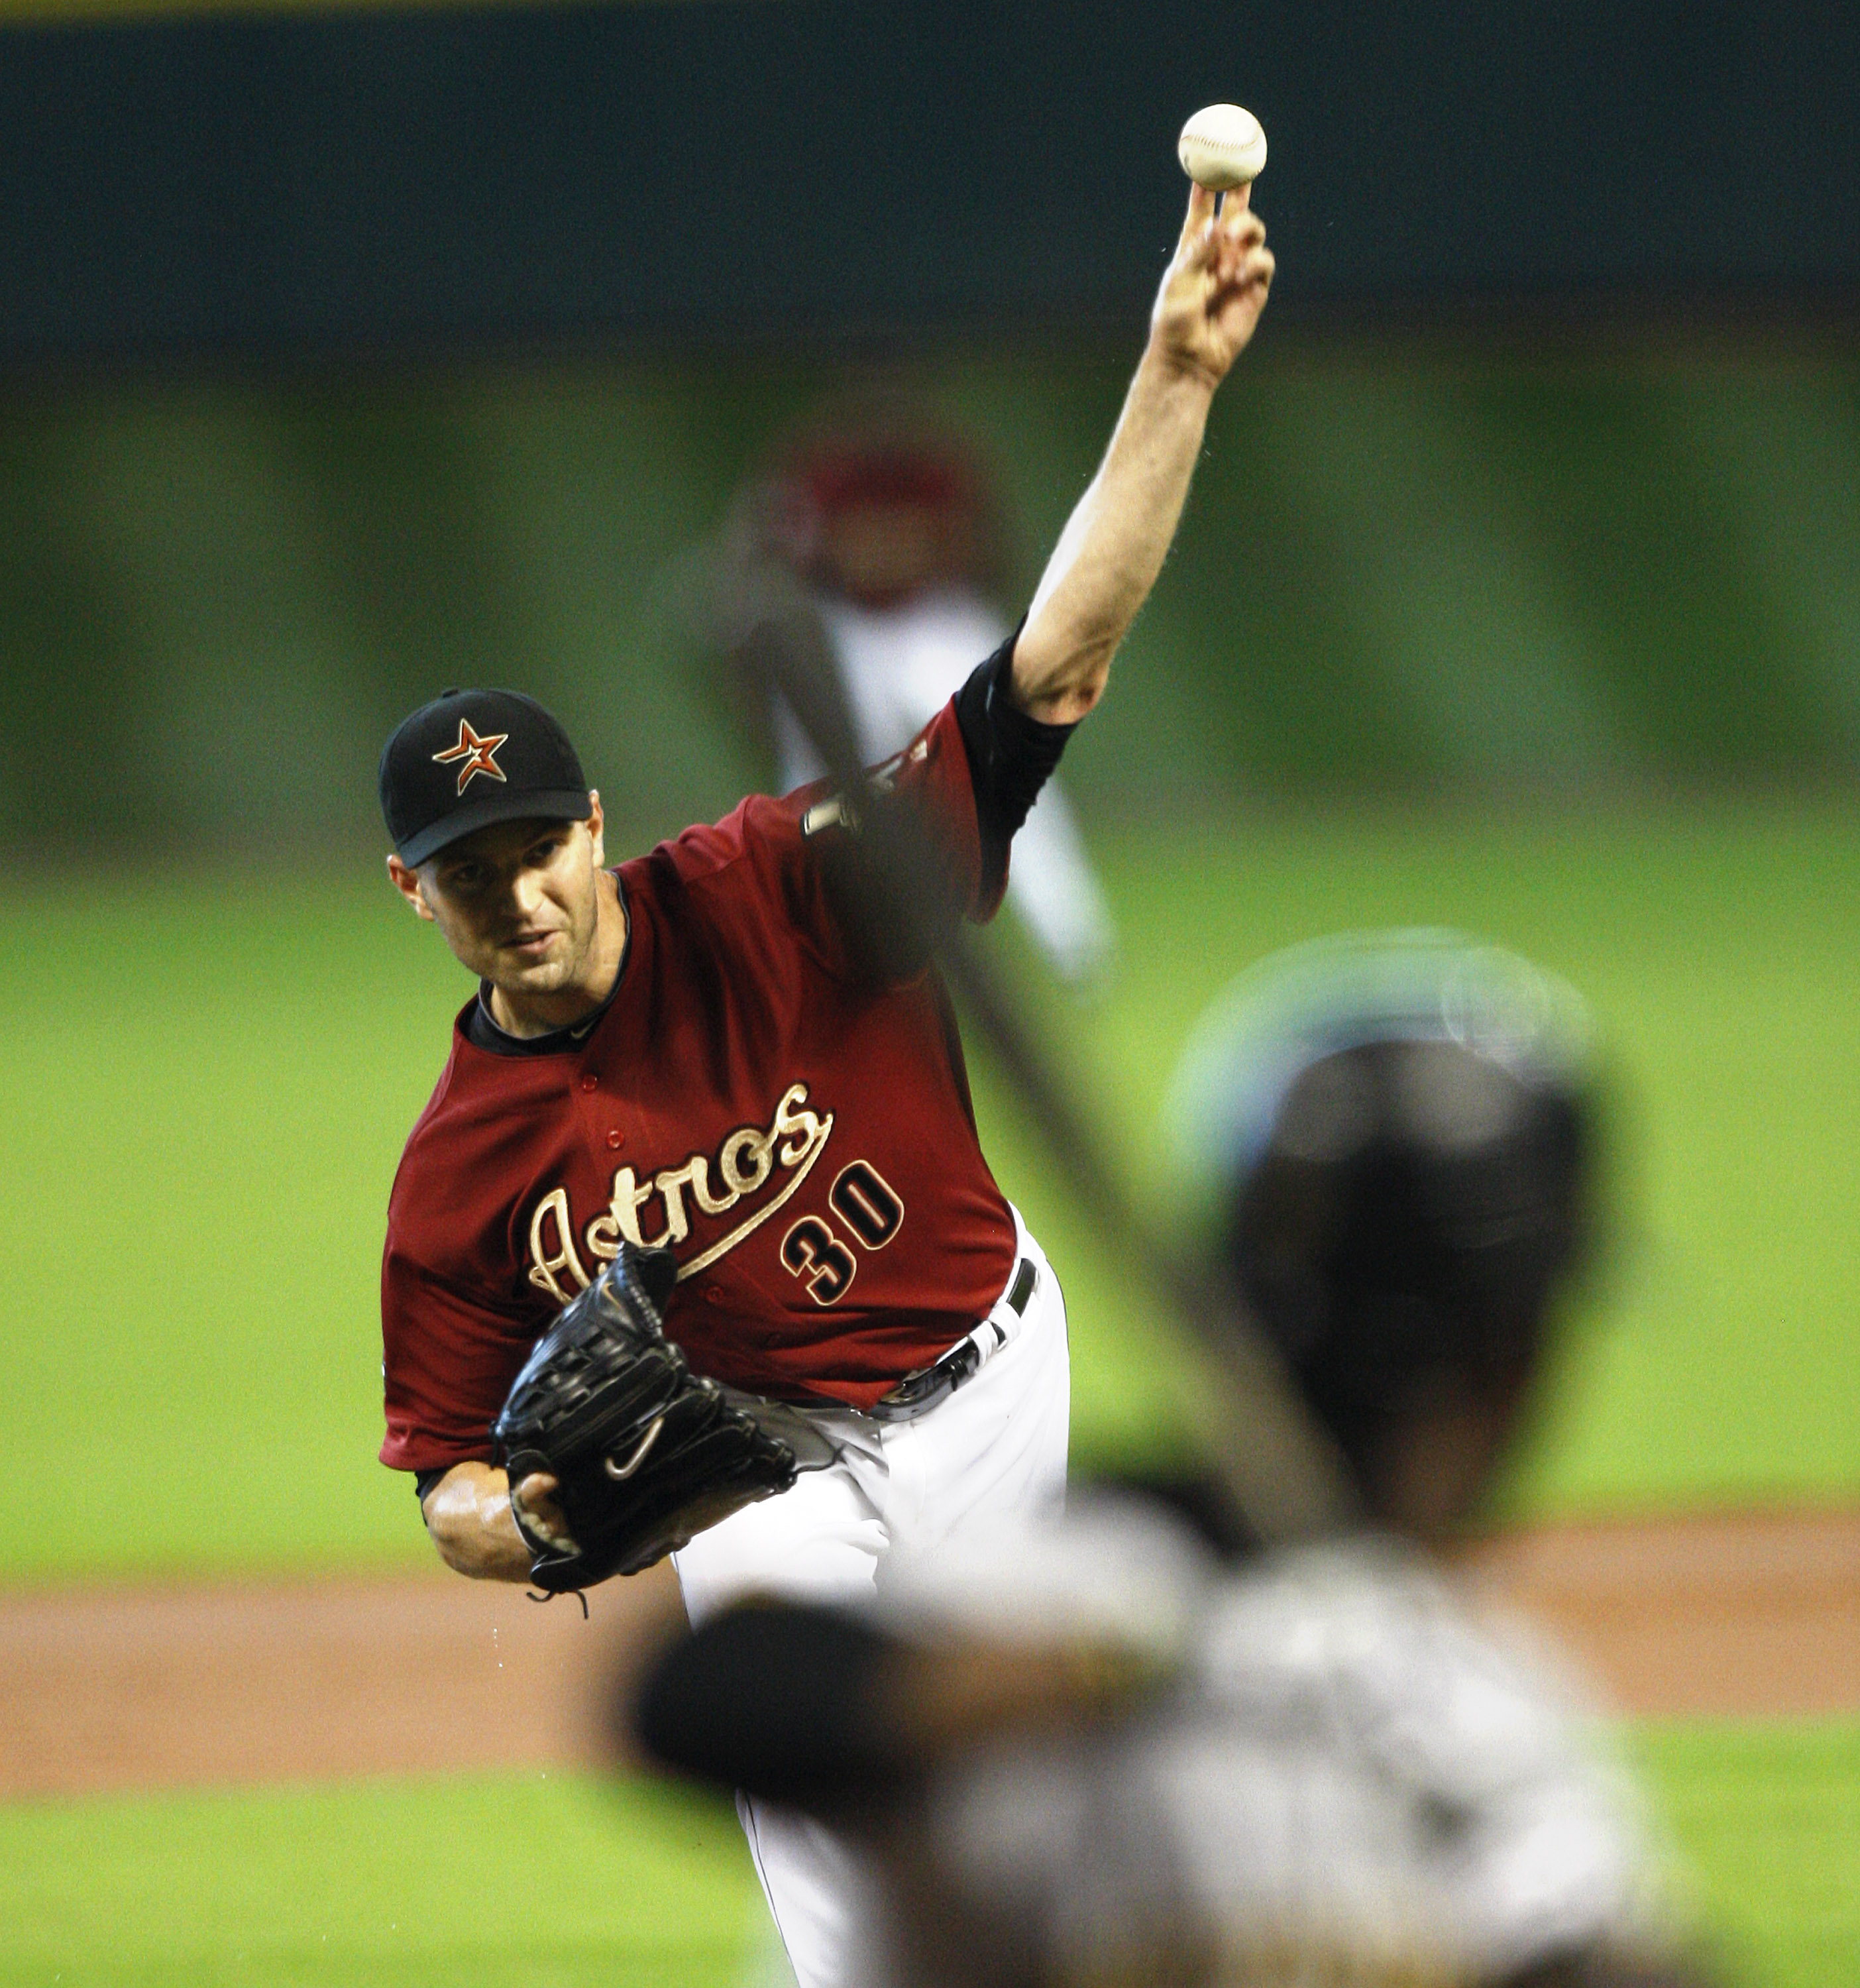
pixel 1215 287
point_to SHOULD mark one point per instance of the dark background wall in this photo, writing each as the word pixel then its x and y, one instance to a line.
pixel 768 167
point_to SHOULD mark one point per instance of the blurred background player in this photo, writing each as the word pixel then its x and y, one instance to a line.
pixel 1129 1748
pixel 896 534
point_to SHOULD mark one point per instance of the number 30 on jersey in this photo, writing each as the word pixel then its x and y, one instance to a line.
pixel 813 1249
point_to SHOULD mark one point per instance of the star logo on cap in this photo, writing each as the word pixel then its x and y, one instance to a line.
pixel 479 755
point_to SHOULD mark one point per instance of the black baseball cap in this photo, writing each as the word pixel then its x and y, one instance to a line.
pixel 473 757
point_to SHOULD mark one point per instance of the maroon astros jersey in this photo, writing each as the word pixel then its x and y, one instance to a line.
pixel 802 1138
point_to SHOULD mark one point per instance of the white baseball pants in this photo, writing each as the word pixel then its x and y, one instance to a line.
pixel 996 1446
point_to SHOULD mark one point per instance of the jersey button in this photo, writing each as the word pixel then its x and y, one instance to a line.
pixel 617 1140
pixel 590 1081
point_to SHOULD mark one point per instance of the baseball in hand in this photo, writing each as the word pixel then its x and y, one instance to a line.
pixel 1221 147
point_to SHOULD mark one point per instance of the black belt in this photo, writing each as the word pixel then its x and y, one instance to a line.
pixel 927 1386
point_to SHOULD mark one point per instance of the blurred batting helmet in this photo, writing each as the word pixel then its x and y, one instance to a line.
pixel 1402 1127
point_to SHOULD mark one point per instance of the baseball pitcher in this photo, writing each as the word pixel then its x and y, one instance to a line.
pixel 694 1248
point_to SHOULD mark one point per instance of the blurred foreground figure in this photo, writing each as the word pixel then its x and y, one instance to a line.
pixel 1123 1748
pixel 896 540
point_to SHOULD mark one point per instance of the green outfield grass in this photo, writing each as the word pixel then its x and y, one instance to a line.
pixel 1767 1819
pixel 209 1080
pixel 406 1884
pixel 534 1881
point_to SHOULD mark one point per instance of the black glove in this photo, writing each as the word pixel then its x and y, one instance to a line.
pixel 646 1453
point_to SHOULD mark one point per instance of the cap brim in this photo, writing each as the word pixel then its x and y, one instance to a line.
pixel 533 804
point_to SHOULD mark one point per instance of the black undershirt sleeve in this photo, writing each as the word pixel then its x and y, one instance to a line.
pixel 1011 757
pixel 774 1699
pixel 889 901
pixel 424 1480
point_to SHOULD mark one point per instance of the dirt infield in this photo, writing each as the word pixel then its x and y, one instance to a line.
pixel 126 1688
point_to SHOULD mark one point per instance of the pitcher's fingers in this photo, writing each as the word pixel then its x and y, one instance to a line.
pixel 1237 243
pixel 1229 265
pixel 1242 225
pixel 1238 273
pixel 1201 211
pixel 1235 201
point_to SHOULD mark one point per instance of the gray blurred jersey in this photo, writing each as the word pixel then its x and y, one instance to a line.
pixel 1352 1774
pixel 899 666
